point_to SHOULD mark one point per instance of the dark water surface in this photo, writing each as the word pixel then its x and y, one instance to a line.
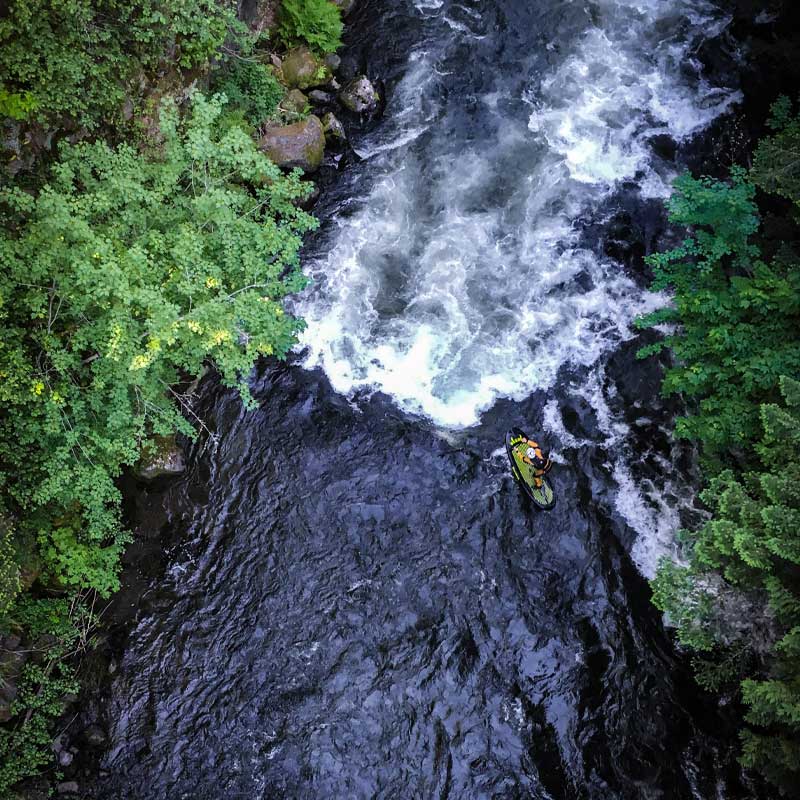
pixel 360 603
pixel 361 608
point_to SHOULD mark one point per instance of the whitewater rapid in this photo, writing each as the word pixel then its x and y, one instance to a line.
pixel 462 275
pixel 357 602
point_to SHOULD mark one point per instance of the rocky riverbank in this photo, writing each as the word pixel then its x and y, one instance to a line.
pixel 305 132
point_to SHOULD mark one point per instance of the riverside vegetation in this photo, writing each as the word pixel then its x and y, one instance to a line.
pixel 155 237
pixel 152 239
pixel 735 598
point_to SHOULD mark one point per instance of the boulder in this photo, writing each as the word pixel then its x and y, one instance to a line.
pixel 259 15
pixel 320 98
pixel 8 694
pixel 95 736
pixel 12 659
pixel 334 130
pixel 161 457
pixel 359 95
pixel 68 787
pixel 301 144
pixel 295 101
pixel 332 62
pixel 302 69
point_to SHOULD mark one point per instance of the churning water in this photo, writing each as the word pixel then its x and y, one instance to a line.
pixel 360 603
pixel 461 276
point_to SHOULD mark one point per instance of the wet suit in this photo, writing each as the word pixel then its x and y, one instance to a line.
pixel 522 445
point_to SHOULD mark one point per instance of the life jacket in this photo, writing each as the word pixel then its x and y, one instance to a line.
pixel 538 472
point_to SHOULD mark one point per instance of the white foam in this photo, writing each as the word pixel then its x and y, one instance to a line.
pixel 647 510
pixel 440 296
pixel 448 310
pixel 601 106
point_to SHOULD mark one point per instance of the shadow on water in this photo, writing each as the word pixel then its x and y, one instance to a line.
pixel 360 606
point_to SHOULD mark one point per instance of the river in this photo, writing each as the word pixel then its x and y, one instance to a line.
pixel 358 602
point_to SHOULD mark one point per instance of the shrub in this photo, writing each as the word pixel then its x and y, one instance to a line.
pixel 251 88
pixel 318 23
pixel 123 272
pixel 78 58
pixel 17 105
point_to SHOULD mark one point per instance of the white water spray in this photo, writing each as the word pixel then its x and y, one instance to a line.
pixel 461 277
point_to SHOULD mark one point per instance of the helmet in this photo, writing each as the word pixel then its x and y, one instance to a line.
pixel 536 457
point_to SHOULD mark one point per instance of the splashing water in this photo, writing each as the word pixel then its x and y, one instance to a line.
pixel 361 604
pixel 461 278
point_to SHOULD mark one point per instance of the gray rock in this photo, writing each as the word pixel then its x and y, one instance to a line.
pixel 346 6
pixel 320 98
pixel 359 95
pixel 301 144
pixel 65 758
pixel 259 15
pixel 332 62
pixel 333 128
pixel 7 697
pixel 12 659
pixel 161 457
pixel 68 787
pixel 302 69
pixel 95 736
pixel 295 101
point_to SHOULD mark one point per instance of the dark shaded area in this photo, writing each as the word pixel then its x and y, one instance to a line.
pixel 360 607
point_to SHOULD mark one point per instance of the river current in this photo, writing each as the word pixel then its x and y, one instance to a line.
pixel 358 602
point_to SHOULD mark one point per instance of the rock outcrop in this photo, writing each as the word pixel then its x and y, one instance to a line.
pixel 302 69
pixel 334 130
pixel 164 457
pixel 301 144
pixel 295 101
pixel 359 95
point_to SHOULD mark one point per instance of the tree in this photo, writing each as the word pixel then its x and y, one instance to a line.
pixel 76 61
pixel 736 315
pixel 736 341
pixel 123 273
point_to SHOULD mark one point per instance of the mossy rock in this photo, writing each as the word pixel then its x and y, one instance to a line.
pixel 360 96
pixel 334 130
pixel 161 457
pixel 295 102
pixel 301 144
pixel 301 69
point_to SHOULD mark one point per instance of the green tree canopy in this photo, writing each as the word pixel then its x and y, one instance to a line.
pixel 123 273
pixel 735 337
pixel 79 59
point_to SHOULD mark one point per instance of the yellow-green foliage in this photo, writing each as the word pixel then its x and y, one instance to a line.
pixel 122 271
pixel 122 274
